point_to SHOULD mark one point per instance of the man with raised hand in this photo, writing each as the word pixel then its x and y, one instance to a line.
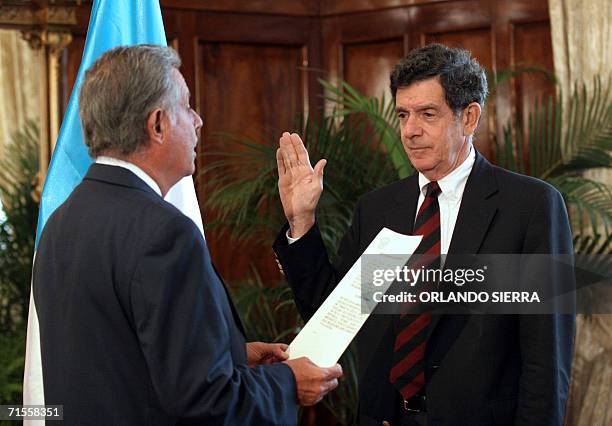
pixel 439 369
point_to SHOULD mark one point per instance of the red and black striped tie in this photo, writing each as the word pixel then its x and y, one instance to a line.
pixel 408 373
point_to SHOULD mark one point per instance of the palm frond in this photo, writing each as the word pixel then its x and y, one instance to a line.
pixel 19 164
pixel 562 140
pixel 18 185
pixel 12 349
pixel 268 312
pixel 379 112
pixel 593 244
pixel 504 75
pixel 593 273
pixel 242 190
pixel 591 201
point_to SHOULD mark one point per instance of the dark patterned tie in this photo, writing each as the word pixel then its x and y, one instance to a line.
pixel 408 373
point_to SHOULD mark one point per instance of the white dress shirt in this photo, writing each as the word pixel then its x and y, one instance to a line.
pixel 452 187
pixel 111 161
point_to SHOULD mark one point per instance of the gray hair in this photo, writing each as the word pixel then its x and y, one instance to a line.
pixel 119 92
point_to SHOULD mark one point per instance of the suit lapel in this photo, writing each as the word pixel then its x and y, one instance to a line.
pixel 476 212
pixel 478 207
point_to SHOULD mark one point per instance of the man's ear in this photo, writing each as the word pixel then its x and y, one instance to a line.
pixel 155 126
pixel 471 116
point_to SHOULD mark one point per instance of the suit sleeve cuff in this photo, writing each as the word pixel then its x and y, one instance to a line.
pixel 302 257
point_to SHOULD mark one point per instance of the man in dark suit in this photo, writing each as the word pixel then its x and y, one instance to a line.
pixel 439 369
pixel 136 326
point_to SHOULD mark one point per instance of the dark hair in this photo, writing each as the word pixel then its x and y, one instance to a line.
pixel 461 76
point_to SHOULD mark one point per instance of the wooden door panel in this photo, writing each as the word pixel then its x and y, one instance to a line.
pixel 367 66
pixel 250 90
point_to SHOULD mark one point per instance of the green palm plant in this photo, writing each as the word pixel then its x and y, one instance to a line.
pixel 379 113
pixel 12 360
pixel 560 143
pixel 268 312
pixel 244 181
pixel 19 168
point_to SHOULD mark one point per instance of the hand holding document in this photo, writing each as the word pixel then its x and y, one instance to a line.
pixel 332 328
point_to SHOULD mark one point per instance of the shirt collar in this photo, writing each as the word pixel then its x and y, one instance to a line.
pixel 111 161
pixel 453 184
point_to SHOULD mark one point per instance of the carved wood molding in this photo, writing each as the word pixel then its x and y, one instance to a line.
pixel 46 25
pixel 42 15
pixel 55 41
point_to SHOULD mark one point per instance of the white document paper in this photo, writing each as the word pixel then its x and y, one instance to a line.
pixel 332 328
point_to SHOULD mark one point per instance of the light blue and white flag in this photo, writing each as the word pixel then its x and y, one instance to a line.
pixel 113 23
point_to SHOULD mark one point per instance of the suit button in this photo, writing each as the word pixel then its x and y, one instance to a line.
pixel 435 367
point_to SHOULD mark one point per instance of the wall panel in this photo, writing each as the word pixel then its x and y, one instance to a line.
pixel 244 61
pixel 245 68
pixel 249 90
pixel 253 89
pixel 532 48
pixel 367 65
pixel 71 59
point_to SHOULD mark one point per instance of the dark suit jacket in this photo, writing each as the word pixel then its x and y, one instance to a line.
pixel 480 369
pixel 136 326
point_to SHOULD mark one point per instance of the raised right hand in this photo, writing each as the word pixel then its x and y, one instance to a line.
pixel 300 186
pixel 313 382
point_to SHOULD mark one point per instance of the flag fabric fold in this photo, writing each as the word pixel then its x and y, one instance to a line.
pixel 112 23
